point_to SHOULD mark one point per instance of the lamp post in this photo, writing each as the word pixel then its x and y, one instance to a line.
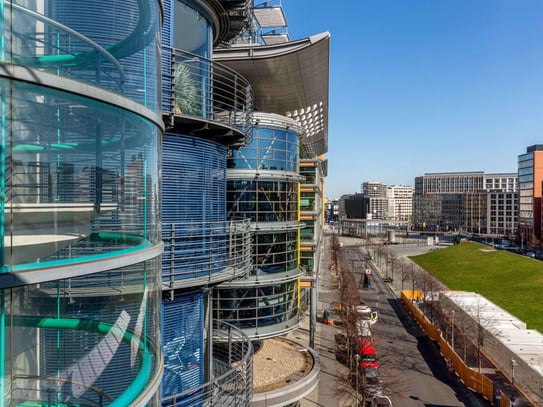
pixel 513 365
pixel 452 334
pixel 357 361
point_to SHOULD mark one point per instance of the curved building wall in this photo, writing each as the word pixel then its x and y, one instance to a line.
pixel 263 311
pixel 263 187
pixel 68 340
pixel 195 230
pixel 80 178
pixel 111 44
pixel 193 209
pixel 80 225
pixel 187 74
pixel 271 200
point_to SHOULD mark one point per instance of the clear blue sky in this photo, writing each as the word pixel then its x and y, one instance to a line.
pixel 422 86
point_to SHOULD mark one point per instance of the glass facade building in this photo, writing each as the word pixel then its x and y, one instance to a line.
pixel 206 108
pixel 263 187
pixel 530 178
pixel 80 225
pixel 290 83
pixel 471 202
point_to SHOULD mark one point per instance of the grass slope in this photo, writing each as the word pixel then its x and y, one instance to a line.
pixel 509 280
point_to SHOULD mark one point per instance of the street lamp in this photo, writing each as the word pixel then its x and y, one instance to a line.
pixel 452 337
pixel 357 361
pixel 513 365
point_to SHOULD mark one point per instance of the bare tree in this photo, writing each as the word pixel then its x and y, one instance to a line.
pixel 393 259
pixel 484 328
pixel 404 272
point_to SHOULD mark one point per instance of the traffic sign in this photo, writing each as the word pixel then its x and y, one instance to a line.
pixel 368 271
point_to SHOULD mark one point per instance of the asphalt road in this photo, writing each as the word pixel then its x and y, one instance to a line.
pixel 411 368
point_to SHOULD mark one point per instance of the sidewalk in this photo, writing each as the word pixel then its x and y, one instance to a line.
pixel 328 392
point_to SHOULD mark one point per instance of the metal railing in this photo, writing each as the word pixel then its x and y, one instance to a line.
pixel 60 48
pixel 232 380
pixel 198 87
pixel 52 390
pixel 206 252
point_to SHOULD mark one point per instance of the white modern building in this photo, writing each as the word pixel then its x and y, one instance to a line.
pixel 388 201
pixel 401 201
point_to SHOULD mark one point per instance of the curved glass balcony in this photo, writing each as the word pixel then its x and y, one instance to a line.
pixel 271 148
pixel 198 88
pixel 111 45
pixel 262 312
pixel 205 253
pixel 80 179
pixel 65 342
pixel 263 201
pixel 232 377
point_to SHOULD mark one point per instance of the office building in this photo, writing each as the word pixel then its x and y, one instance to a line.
pixel 312 212
pixel 207 109
pixel 81 128
pixel 290 126
pixel 393 202
pixel 400 202
pixel 87 316
pixel 378 199
pixel 466 202
pixel 502 204
pixel 115 223
pixel 530 174
pixel 353 206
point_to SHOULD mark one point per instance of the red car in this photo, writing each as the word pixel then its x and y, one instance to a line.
pixel 368 356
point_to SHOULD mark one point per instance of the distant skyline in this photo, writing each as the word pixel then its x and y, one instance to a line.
pixel 424 86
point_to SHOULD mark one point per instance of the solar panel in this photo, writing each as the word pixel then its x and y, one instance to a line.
pixel 269 17
pixel 271 39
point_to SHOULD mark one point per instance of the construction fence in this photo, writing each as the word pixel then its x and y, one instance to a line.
pixel 476 381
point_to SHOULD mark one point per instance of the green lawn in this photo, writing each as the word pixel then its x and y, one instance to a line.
pixel 511 281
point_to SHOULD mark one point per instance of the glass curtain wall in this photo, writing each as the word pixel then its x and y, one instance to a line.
pixel 80 226
pixel 263 187
pixel 66 341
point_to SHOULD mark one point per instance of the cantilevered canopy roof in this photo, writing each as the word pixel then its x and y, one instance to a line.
pixel 290 79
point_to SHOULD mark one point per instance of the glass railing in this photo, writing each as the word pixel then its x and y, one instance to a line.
pixel 118 57
pixel 198 87
pixel 232 376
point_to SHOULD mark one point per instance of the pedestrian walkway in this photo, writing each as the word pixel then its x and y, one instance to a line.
pixel 329 393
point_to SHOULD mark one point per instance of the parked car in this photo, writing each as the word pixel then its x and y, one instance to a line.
pixel 368 356
pixel 328 317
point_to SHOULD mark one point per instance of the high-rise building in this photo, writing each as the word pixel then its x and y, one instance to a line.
pixel 80 228
pixel 502 203
pixel 530 174
pixel 290 84
pixel 394 202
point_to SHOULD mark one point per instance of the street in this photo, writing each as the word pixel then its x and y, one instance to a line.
pixel 412 371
